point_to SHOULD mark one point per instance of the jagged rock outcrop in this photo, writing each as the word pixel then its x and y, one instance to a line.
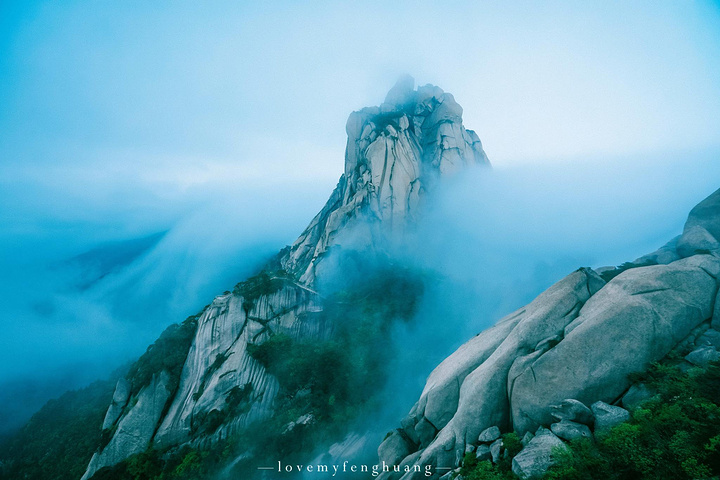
pixel 575 345
pixel 135 430
pixel 119 400
pixel 395 153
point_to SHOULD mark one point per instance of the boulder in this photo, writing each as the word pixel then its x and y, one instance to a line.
pixel 569 430
pixel 483 367
pixel 636 319
pixel 710 337
pixel 533 461
pixel 483 453
pixel 702 356
pixel 489 435
pixel 697 240
pixel 573 410
pixel 495 450
pixel 636 395
pixel 526 438
pixel 662 256
pixel 394 448
pixel 608 416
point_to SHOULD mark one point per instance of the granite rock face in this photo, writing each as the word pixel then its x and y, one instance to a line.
pixel 395 154
pixel 575 345
pixel 135 430
pixel 119 400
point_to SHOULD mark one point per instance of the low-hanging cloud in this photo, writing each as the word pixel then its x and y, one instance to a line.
pixel 495 239
pixel 86 300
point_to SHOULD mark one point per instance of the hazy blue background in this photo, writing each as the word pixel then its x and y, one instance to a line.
pixel 151 154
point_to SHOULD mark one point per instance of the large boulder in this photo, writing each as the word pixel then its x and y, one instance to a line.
pixel 533 461
pixel 634 320
pixel 489 435
pixel 394 448
pixel 480 373
pixel 576 344
pixel 702 356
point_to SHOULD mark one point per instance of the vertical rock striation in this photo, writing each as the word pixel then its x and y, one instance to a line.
pixel 395 154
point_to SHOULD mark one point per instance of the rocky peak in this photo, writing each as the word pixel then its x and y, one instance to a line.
pixel 394 155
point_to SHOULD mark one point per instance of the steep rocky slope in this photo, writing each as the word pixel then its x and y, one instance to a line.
pixel 394 153
pixel 200 383
pixel 576 344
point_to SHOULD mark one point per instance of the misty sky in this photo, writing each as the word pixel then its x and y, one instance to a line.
pixel 209 135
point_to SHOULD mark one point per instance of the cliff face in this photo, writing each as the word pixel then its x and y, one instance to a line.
pixel 575 344
pixel 395 153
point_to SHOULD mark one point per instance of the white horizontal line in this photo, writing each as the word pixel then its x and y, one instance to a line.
pixel 266 468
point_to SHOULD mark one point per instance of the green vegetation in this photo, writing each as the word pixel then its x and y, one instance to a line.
pixel 610 274
pixel 169 352
pixel 264 283
pixel 185 464
pixel 237 402
pixel 323 378
pixel 676 434
pixel 331 382
pixel 473 469
pixel 59 440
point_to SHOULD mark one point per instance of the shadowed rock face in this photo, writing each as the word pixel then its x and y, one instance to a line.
pixel 395 153
pixel 580 339
pixel 135 429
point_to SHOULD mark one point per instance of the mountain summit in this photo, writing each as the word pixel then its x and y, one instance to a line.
pixel 394 154
pixel 221 372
